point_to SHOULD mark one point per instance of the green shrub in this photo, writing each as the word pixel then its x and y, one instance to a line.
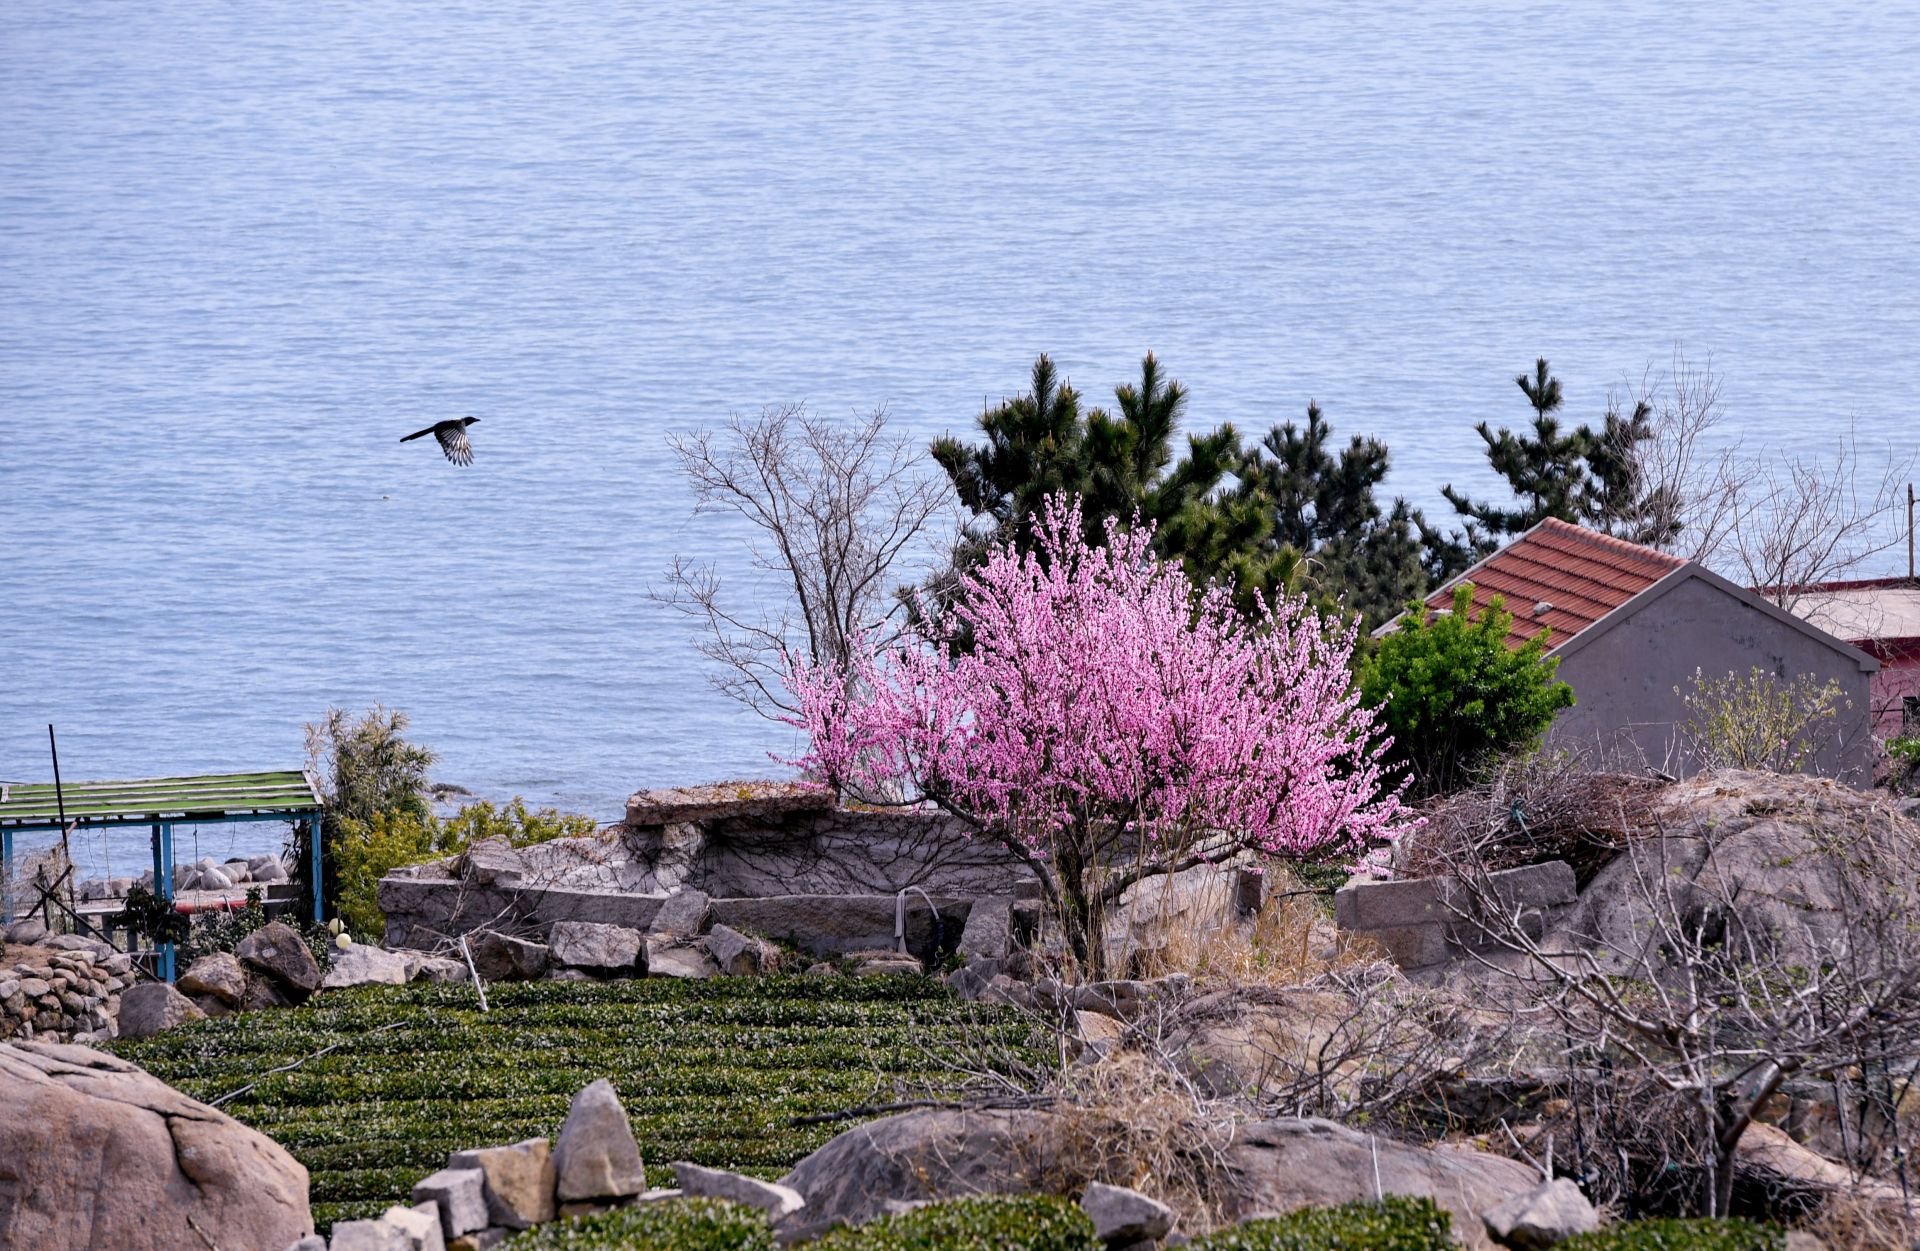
pixel 1758 721
pixel 362 852
pixel 671 1225
pixel 1395 1223
pixel 1903 758
pixel 1026 1223
pixel 1456 695
pixel 1680 1235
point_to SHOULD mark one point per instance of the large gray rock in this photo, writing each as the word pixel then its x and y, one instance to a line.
pixel 374 1235
pixel 776 1199
pixel 364 965
pixel 1543 1217
pixel 150 1007
pixel 1274 1167
pixel 684 914
pixel 595 1156
pixel 219 975
pixel 1766 840
pixel 602 948
pixel 275 949
pixel 422 968
pixel 1122 1217
pixel 459 1195
pixel 671 957
pixel 737 954
pixel 504 958
pixel 673 805
pixel 492 862
pixel 989 932
pixel 1289 1163
pixel 25 932
pixel 419 1226
pixel 520 1181
pixel 95 1152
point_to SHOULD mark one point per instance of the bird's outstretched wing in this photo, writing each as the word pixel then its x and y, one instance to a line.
pixel 453 441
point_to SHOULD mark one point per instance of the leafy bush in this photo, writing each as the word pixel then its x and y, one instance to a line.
pixel 1455 695
pixel 1681 1235
pixel 1395 1223
pixel 1758 721
pixel 671 1225
pixel 1903 755
pixel 363 852
pixel 711 1072
pixel 1026 1223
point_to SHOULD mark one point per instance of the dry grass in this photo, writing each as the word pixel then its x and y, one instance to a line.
pixel 1289 941
pixel 1848 1220
pixel 1130 1119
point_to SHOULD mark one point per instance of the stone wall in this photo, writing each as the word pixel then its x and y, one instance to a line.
pixel 774 859
pixel 1423 924
pixel 63 988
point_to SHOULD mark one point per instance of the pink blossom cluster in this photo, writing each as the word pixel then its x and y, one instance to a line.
pixel 1105 697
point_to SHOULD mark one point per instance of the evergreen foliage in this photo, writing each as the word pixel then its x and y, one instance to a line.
pixel 1588 477
pixel 1455 695
pixel 1121 464
pixel 1323 507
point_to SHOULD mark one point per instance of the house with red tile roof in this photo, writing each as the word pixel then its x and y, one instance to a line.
pixel 1633 626
pixel 1881 617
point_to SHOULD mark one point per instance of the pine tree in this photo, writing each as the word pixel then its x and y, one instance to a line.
pixel 1588 478
pixel 1324 509
pixel 1121 463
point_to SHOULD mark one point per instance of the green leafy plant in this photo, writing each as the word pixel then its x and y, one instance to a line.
pixel 1681 1235
pixel 673 1225
pixel 151 917
pixel 1395 1223
pixel 1027 1222
pixel 1456 695
pixel 1903 755
pixel 1758 721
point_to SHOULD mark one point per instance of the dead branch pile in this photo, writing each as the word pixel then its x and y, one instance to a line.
pixel 1529 812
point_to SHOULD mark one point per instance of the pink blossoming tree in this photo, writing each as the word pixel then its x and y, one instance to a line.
pixel 1111 722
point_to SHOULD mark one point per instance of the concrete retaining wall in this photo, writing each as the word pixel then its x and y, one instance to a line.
pixel 1426 923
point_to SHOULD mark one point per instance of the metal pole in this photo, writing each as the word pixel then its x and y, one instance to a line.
pixel 313 858
pixel 1909 531
pixel 60 800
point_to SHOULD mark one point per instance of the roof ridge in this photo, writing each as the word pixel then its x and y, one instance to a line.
pixel 1601 539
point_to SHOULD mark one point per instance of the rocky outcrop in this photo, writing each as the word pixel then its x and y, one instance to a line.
pixel 94 1152
pixel 1272 1167
pixel 217 982
pixel 362 965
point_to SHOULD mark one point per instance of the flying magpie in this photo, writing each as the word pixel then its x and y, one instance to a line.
pixel 452 434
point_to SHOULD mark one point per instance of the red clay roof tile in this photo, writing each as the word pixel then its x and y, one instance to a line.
pixel 1580 574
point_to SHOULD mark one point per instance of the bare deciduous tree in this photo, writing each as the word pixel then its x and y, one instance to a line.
pixel 1807 520
pixel 1781 523
pixel 833 508
pixel 1708 1007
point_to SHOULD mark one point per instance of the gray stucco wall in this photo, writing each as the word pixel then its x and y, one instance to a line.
pixel 1624 678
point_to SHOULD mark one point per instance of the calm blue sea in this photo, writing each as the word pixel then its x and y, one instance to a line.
pixel 245 247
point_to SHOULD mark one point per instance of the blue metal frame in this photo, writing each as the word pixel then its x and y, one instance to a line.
pixel 162 838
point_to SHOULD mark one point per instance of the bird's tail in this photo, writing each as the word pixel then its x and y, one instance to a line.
pixel 417 434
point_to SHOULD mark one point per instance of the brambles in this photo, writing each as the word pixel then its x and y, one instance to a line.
pixel 710 1072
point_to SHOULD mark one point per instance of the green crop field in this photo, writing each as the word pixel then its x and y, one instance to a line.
pixel 711 1072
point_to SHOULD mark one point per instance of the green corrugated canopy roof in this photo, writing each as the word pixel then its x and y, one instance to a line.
pixel 207 797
